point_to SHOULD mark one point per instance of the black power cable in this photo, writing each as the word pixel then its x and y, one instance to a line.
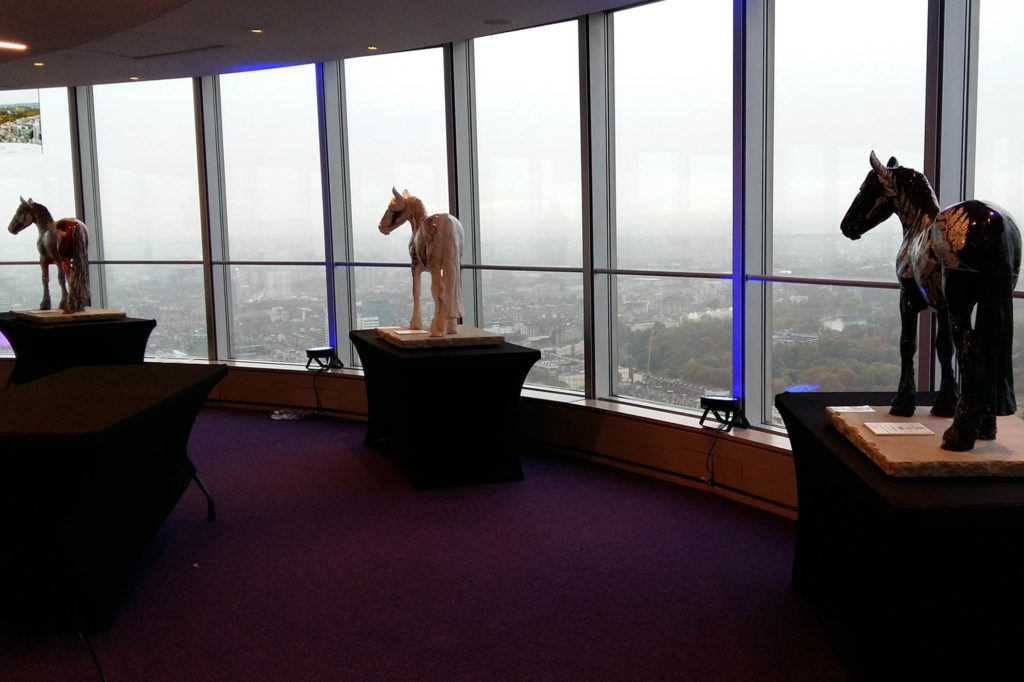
pixel 92 655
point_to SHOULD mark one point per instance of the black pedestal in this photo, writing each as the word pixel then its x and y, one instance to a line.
pixel 92 460
pixel 921 578
pixel 45 348
pixel 446 416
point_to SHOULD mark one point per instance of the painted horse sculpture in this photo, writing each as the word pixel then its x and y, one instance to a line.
pixel 63 242
pixel 952 260
pixel 435 245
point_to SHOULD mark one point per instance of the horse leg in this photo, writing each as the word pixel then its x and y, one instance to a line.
pixel 62 279
pixel 453 297
pixel 456 312
pixel 911 304
pixel 975 413
pixel 949 392
pixel 994 330
pixel 45 303
pixel 414 323
pixel 437 289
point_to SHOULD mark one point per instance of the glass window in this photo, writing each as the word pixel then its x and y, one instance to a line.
pixel 528 147
pixel 396 138
pixel 673 201
pixel 148 178
pixel 277 311
pixel 528 144
pixel 541 310
pixel 35 163
pixel 149 200
pixel 846 83
pixel 274 212
pixel 384 297
pixel 674 339
pixel 999 151
pixel 273 186
pixel 673 137
pixel 835 338
pixel 173 295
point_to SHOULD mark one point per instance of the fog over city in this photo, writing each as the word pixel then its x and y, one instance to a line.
pixel 848 79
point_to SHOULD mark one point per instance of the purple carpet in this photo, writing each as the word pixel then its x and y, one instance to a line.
pixel 323 564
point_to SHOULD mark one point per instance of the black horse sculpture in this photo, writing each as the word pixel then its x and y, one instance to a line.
pixel 953 260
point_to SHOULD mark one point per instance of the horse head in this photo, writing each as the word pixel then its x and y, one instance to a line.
pixel 23 217
pixel 874 201
pixel 398 212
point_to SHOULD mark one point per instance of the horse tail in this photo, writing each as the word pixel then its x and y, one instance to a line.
pixel 994 318
pixel 456 289
pixel 79 255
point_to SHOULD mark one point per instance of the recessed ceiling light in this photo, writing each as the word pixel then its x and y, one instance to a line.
pixel 7 45
pixel 498 22
pixel 38 64
pixel 133 78
pixel 255 30
pixel 372 48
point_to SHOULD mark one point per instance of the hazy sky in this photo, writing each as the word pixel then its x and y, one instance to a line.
pixel 849 78
pixel 18 96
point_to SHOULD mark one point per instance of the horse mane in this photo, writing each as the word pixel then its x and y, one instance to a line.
pixel 417 211
pixel 918 190
pixel 41 213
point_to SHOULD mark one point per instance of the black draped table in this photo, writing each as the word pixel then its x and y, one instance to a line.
pixel 445 415
pixel 93 460
pixel 932 568
pixel 42 348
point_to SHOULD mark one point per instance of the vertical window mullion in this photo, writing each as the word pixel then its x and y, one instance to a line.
pixel 598 196
pixel 216 252
pixel 463 181
pixel 89 188
pixel 949 131
pixel 341 291
pixel 752 204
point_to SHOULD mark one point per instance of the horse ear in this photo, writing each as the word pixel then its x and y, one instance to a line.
pixel 399 201
pixel 893 163
pixel 883 174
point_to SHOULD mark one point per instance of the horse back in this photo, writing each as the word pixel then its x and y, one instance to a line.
pixel 978 236
pixel 440 233
pixel 71 242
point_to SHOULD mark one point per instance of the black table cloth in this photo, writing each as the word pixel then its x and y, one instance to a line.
pixel 445 415
pixel 92 460
pixel 930 570
pixel 44 348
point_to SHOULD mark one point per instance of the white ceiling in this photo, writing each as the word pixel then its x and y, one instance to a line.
pixel 103 41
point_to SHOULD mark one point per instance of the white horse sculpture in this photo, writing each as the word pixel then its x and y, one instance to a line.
pixel 435 245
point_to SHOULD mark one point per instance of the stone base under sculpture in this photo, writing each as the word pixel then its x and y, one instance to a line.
pixel 420 338
pixel 58 316
pixel 921 455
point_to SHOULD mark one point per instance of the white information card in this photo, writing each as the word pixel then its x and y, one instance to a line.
pixel 898 429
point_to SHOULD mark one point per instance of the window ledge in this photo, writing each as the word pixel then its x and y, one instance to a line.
pixel 761 437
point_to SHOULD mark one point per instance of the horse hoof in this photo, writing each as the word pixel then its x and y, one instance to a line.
pixel 987 428
pixel 944 408
pixel 902 410
pixel 954 442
